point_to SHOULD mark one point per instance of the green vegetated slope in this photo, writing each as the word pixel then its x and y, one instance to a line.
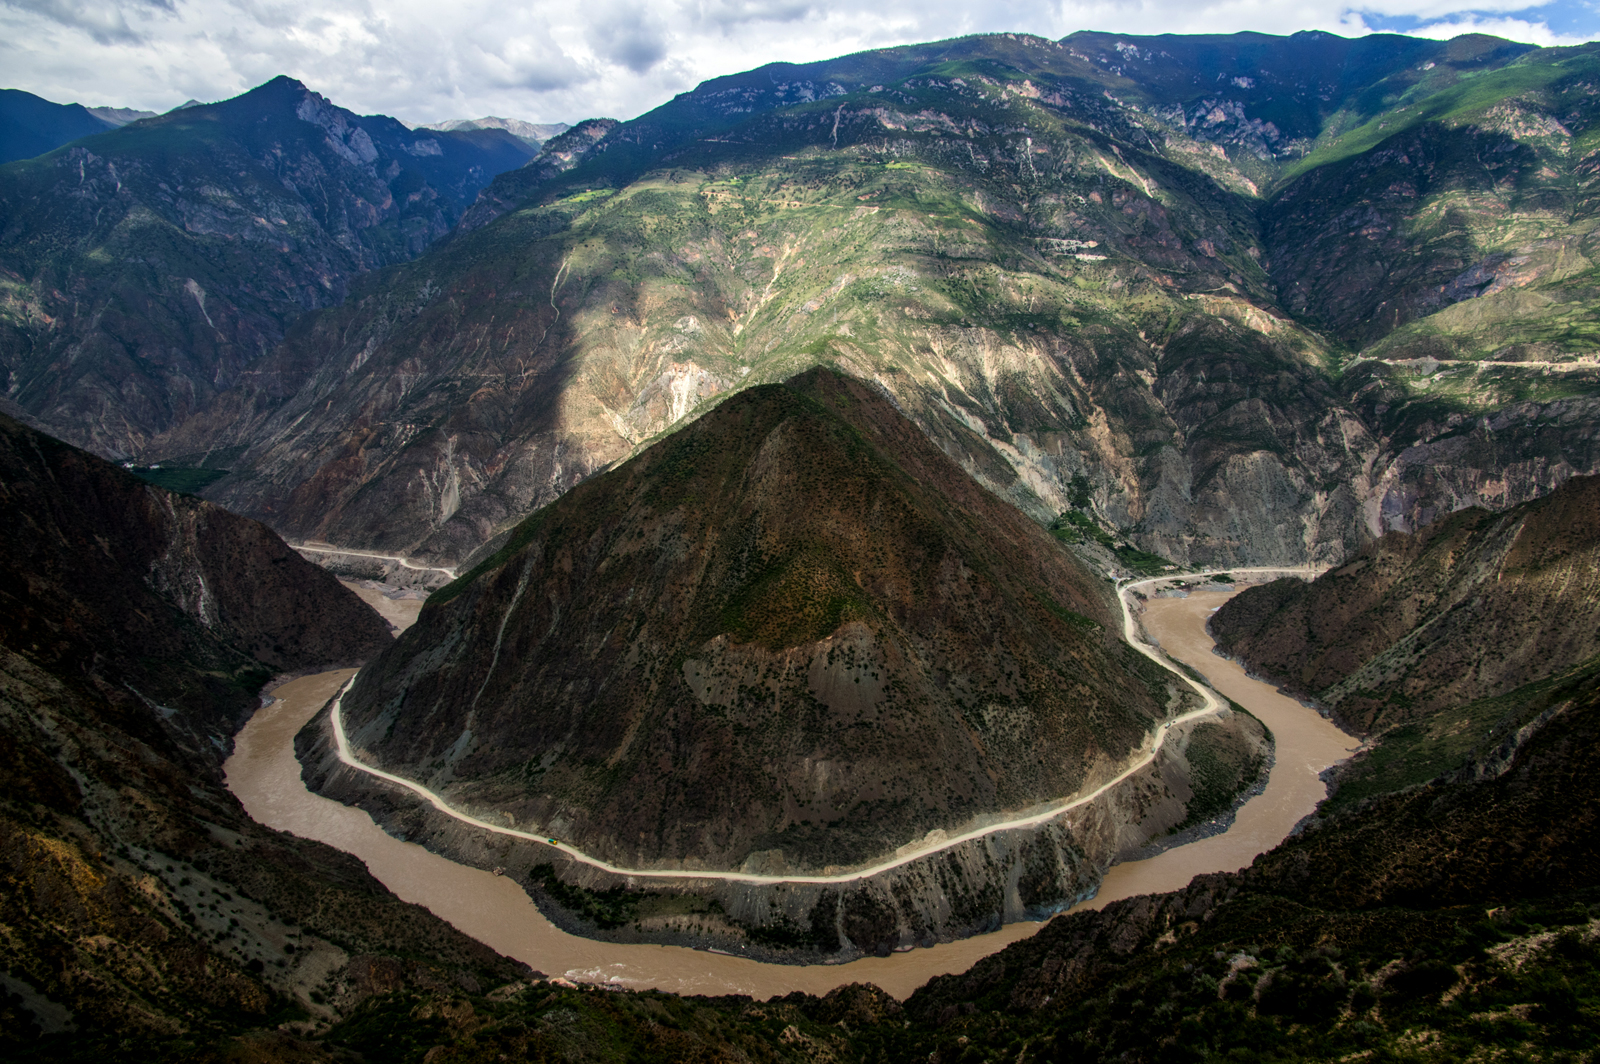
pixel 145 915
pixel 144 269
pixel 1136 264
pixel 794 628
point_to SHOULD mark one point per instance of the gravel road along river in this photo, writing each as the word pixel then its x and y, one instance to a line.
pixel 265 776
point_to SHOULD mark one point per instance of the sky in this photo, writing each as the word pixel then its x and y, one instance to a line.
pixel 545 61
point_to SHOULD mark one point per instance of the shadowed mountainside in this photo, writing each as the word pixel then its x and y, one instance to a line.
pixel 1472 606
pixel 107 576
pixel 146 268
pixel 146 916
pixel 31 125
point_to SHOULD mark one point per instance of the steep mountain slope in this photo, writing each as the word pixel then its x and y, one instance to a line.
pixel 145 914
pixel 1073 264
pixel 146 268
pixel 30 125
pixel 794 629
pixel 98 561
pixel 1475 605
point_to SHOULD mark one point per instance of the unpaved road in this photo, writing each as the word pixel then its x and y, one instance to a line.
pixel 265 776
pixel 1306 744
pixel 405 563
pixel 905 855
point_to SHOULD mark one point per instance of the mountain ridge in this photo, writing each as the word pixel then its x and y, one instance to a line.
pixel 1088 298
pixel 31 125
pixel 147 266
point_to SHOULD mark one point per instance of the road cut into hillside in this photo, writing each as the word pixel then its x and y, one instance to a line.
pixel 265 775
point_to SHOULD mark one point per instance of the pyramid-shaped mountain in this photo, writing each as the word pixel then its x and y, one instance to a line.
pixel 796 625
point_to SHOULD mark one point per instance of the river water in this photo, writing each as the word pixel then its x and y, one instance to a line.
pixel 265 776
pixel 1307 743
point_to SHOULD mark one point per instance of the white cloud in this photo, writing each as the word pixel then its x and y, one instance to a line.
pixel 1514 29
pixel 553 60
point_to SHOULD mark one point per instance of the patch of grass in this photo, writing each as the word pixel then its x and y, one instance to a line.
pixel 1424 750
pixel 185 480
pixel 1076 620
pixel 1142 562
pixel 1075 526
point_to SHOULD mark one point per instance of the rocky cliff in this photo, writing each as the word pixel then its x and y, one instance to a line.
pixel 146 268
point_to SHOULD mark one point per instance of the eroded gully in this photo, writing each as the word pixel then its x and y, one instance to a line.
pixel 265 776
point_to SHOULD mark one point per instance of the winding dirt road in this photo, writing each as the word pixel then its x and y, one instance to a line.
pixel 405 563
pixel 1151 749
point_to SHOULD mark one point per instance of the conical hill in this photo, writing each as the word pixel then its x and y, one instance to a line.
pixel 796 625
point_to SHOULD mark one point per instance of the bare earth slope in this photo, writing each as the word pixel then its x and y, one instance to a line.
pixel 793 626
pixel 1474 605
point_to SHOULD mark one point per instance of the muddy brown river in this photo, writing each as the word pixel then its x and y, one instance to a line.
pixel 265 776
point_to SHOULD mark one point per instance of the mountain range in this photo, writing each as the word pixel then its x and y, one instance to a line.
pixel 31 125
pixel 784 446
pixel 535 133
pixel 1232 299
pixel 148 268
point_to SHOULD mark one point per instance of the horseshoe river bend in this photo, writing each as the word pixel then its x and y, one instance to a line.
pixel 265 776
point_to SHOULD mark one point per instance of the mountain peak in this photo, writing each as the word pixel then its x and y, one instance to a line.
pixel 803 552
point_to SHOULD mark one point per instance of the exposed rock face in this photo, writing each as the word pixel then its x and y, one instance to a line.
pixel 794 633
pixel 1473 605
pixel 141 905
pixel 1094 289
pixel 148 267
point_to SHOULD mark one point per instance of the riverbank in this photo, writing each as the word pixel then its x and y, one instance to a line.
pixel 266 778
